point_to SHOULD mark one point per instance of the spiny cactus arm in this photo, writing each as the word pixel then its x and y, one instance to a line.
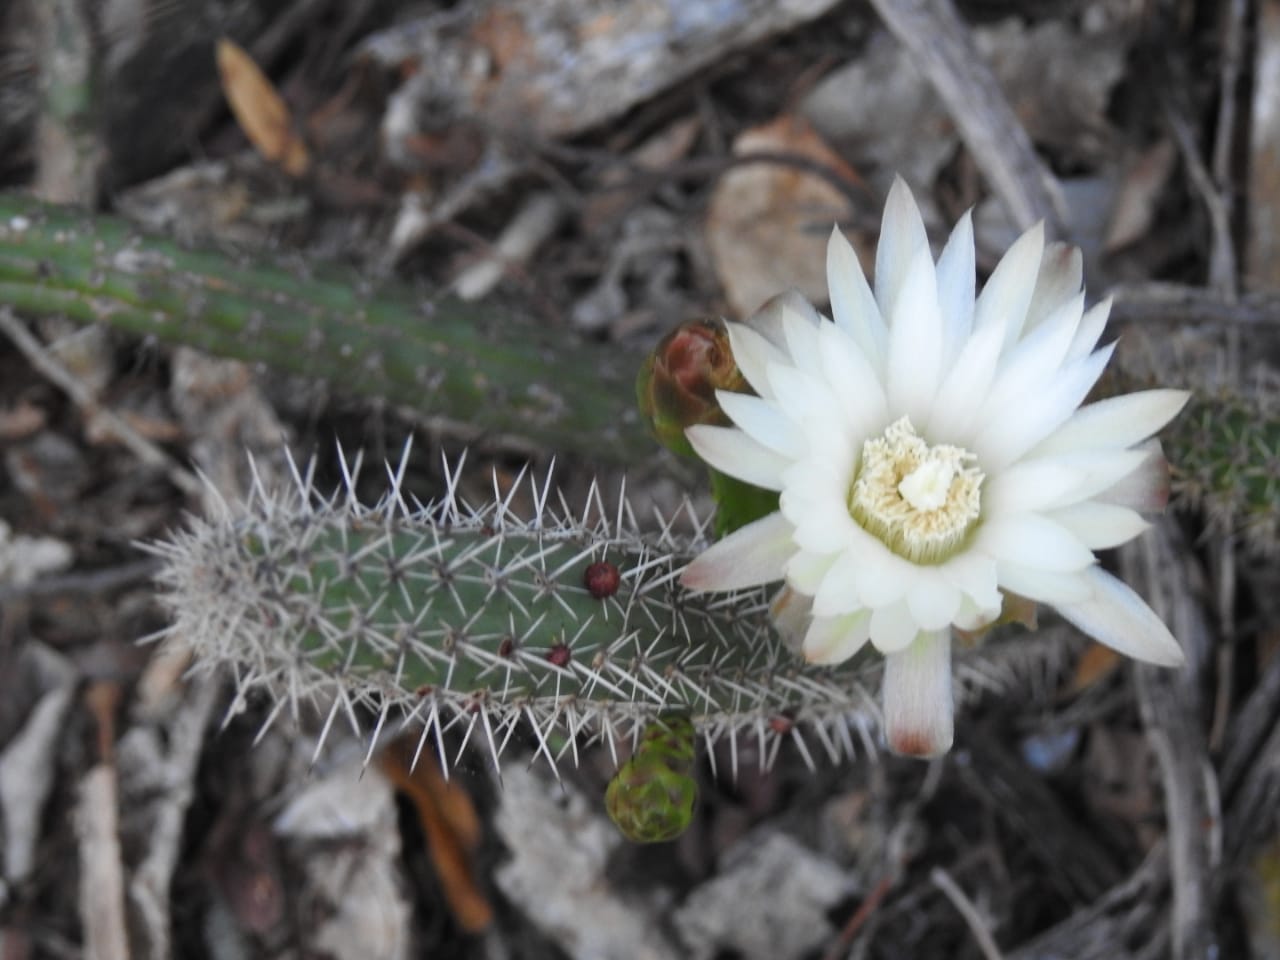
pixel 1227 463
pixel 484 371
pixel 479 620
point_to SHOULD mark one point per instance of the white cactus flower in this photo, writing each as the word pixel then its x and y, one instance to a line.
pixel 932 454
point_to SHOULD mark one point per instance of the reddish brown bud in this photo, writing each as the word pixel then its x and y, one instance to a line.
pixel 678 383
pixel 602 579
pixel 559 655
pixel 781 725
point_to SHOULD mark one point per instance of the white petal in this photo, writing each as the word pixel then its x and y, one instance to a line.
pixel 1060 278
pixel 731 451
pixel 1116 422
pixel 1007 295
pixel 1030 485
pixel 915 340
pixel 965 386
pixel 820 530
pixel 822 523
pixel 933 601
pixel 1090 329
pixel 802 340
pixel 1043 586
pixel 854 382
pixel 799 394
pixel 884 577
pixel 763 421
pixel 805 571
pixel 818 479
pixel 1100 526
pixel 853 306
pixel 902 233
pixel 1146 488
pixel 974 617
pixel 957 275
pixel 1095 472
pixel 974 574
pixel 753 353
pixel 919 713
pixel 1121 619
pixel 770 320
pixel 1031 540
pixel 893 628
pixel 1033 361
pixel 837 593
pixel 836 639
pixel 790 612
pixel 1021 427
pixel 748 557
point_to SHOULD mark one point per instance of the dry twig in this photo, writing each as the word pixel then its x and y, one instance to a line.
pixel 945 53
pixel 60 376
pixel 1170 702
pixel 972 916
pixel 149 887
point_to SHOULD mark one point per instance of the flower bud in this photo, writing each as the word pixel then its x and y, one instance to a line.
pixel 651 796
pixel 677 384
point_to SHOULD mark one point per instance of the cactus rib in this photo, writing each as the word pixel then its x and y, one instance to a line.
pixel 479 620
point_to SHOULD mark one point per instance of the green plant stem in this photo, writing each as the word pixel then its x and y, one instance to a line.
pixel 470 367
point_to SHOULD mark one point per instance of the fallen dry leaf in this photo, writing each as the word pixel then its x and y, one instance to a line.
pixel 452 827
pixel 259 109
pixel 1137 199
pixel 21 421
pixel 767 223
pixel 1096 663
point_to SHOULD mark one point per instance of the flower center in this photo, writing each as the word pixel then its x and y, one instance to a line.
pixel 921 501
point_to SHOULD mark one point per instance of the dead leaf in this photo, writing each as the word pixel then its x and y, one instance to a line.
pixel 452 827
pixel 1096 663
pixel 21 421
pixel 1142 184
pixel 767 223
pixel 259 109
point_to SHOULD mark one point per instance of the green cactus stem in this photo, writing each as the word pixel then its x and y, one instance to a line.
pixel 480 370
pixel 1226 456
pixel 477 620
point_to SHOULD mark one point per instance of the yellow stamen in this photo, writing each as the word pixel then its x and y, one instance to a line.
pixel 921 501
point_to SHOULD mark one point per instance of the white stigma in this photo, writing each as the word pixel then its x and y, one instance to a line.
pixel 921 501
pixel 926 487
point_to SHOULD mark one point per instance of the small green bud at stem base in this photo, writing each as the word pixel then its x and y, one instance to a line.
pixel 651 797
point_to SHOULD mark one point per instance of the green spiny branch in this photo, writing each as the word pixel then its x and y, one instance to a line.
pixel 476 619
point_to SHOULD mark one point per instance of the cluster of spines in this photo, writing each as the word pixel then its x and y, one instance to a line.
pixel 1228 450
pixel 570 625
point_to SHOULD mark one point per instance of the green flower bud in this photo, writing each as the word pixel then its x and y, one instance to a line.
pixel 651 796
